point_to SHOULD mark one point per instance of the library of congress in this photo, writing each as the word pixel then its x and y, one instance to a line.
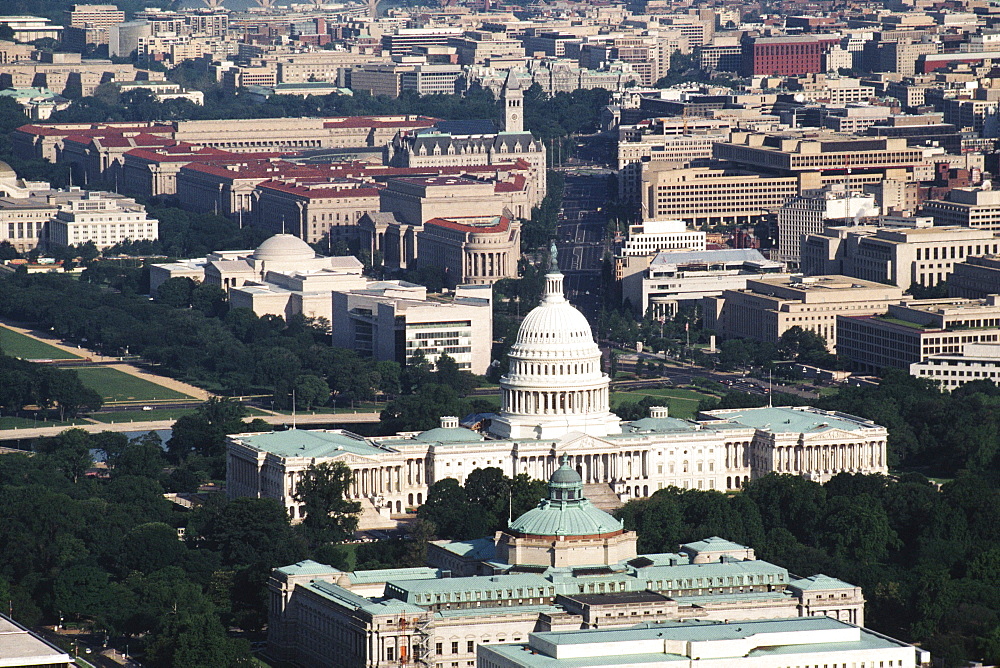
pixel 554 402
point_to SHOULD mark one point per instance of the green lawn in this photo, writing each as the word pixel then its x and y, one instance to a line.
pixel 114 385
pixel 28 423
pixel 142 416
pixel 682 403
pixel 16 344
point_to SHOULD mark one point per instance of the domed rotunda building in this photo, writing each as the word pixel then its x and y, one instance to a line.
pixel 554 384
pixel 565 529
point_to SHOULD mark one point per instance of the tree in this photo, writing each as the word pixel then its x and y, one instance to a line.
pixel 247 531
pixel 176 292
pixel 70 450
pixel 323 490
pixel 448 507
pixel 310 391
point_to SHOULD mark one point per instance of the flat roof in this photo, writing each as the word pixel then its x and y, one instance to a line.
pixel 785 419
pixel 311 443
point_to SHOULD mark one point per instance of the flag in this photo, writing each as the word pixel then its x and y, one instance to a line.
pixel 686 326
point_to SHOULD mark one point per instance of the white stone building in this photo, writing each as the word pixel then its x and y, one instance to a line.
pixel 698 644
pixel 106 219
pixel 554 400
pixel 977 361
pixel 562 566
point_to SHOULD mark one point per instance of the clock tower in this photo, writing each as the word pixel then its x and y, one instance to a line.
pixel 513 99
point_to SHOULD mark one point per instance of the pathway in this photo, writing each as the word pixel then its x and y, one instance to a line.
pixel 155 425
pixel 112 362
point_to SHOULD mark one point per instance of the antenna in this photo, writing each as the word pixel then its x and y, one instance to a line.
pixel 510 506
pixel 769 389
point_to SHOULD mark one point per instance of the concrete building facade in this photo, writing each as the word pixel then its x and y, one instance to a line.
pixel 769 307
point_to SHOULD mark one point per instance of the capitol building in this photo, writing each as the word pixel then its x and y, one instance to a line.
pixel 555 403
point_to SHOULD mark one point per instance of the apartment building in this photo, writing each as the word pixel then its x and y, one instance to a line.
pixel 924 255
pixel 911 331
pixel 769 307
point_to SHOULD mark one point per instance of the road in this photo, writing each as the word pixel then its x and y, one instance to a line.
pixel 156 425
pixel 580 236
pixel 681 375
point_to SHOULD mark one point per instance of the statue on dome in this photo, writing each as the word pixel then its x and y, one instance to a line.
pixel 553 258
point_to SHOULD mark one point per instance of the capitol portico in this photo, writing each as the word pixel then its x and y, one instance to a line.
pixel 554 402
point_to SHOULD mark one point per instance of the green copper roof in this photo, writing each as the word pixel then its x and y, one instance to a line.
pixel 713 544
pixel 312 443
pixel 566 512
pixel 786 419
pixel 449 435
pixel 819 582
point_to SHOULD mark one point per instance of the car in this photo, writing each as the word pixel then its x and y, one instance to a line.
pixel 147 408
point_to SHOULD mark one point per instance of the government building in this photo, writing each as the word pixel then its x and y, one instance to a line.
pixel 555 402
pixel 563 566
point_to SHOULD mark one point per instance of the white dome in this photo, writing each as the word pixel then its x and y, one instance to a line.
pixel 557 324
pixel 554 384
pixel 284 247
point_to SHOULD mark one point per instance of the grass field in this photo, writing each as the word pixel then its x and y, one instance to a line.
pixel 28 423
pixel 682 403
pixel 142 416
pixel 114 385
pixel 16 344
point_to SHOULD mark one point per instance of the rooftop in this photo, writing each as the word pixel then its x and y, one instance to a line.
pixel 312 443
pixel 787 419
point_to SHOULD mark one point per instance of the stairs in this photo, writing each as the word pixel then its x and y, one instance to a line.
pixel 601 495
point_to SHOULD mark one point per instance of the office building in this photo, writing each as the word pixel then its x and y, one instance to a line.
pixel 104 219
pixel 821 157
pixel 977 361
pixel 788 55
pixel 704 197
pixel 967 207
pixel 911 331
pixel 701 644
pixel 975 277
pixel 811 212
pixel 30 28
pixel 769 307
pixel 23 648
pixel 90 24
pixel 653 236
pixel 903 256
pixel 678 278
pixel 393 320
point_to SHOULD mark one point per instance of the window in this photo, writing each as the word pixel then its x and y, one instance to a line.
pixel 437 649
pixel 470 646
pixel 454 647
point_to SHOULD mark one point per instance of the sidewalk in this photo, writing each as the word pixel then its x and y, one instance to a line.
pixel 111 362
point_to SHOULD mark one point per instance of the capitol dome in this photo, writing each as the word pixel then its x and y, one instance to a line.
pixel 566 513
pixel 554 384
pixel 284 248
